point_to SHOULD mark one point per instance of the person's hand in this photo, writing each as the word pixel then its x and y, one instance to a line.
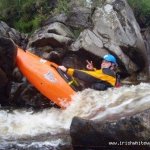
pixel 63 68
pixel 89 65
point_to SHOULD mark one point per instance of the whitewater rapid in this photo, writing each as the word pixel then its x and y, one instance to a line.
pixel 89 104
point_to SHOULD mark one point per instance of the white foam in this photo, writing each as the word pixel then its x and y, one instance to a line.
pixel 87 104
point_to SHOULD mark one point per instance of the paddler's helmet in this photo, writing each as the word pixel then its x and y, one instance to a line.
pixel 110 58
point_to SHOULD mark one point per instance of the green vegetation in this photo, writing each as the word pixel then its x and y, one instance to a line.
pixel 24 15
pixel 62 6
pixel 27 15
pixel 141 10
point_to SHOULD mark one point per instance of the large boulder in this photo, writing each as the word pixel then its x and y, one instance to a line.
pixel 54 35
pixel 130 132
pixel 51 42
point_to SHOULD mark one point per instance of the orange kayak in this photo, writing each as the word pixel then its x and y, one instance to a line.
pixel 46 77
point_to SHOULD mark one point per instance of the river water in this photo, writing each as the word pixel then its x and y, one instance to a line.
pixel 49 128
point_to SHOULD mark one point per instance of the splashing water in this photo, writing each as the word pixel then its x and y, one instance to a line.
pixel 89 104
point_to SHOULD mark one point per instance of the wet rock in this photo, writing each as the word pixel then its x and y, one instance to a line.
pixel 129 132
pixel 3 78
pixel 17 75
pixel 3 87
pixel 8 51
pixel 25 95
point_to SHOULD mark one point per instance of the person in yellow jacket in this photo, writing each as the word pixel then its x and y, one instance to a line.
pixel 98 79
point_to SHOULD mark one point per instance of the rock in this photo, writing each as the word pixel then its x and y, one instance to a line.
pixel 3 78
pixel 3 87
pixel 79 17
pixel 6 31
pixel 60 29
pixel 129 132
pixel 52 56
pixel 74 61
pixel 89 41
pixel 55 35
pixel 59 18
pixel 8 51
pixel 146 36
pixel 25 95
pixel 120 26
pixel 46 49
pixel 17 75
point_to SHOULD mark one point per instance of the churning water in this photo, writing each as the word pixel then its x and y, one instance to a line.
pixel 22 129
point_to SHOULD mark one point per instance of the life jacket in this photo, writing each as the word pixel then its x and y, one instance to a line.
pixel 102 75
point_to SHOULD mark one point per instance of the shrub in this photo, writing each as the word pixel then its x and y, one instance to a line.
pixel 24 15
pixel 141 10
pixel 62 6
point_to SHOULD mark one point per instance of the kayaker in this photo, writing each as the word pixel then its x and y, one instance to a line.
pixel 98 79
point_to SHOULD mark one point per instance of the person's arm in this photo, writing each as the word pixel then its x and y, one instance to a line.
pixel 89 66
pixel 80 74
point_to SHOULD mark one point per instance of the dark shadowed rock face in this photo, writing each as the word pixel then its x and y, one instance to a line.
pixel 3 86
pixel 25 95
pixel 146 35
pixel 128 132
pixel 8 52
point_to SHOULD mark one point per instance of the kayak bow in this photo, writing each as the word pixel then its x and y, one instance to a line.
pixel 45 77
